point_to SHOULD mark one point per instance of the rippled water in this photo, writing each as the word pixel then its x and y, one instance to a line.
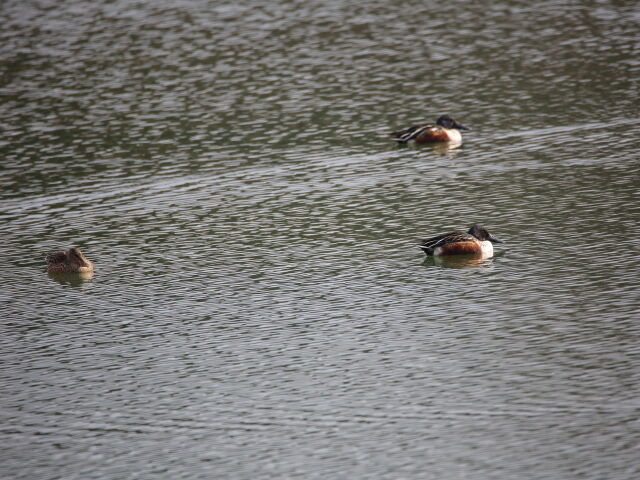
pixel 259 307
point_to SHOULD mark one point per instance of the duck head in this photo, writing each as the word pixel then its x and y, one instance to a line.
pixel 448 122
pixel 483 234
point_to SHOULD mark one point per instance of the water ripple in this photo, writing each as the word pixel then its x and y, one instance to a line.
pixel 259 307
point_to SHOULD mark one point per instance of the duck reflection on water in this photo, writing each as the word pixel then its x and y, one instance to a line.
pixel 459 261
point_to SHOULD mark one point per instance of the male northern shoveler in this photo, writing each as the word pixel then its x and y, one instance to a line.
pixel 69 261
pixel 446 129
pixel 476 241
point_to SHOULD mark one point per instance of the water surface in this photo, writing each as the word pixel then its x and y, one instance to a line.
pixel 259 307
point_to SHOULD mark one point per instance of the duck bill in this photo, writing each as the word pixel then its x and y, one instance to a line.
pixel 86 263
pixel 79 259
pixel 460 126
pixel 493 239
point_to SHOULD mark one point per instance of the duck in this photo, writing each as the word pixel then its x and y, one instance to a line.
pixel 446 129
pixel 68 261
pixel 475 241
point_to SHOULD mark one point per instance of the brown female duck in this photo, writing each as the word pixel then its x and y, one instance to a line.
pixel 69 261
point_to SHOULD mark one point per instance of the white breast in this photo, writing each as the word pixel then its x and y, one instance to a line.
pixel 487 248
pixel 454 135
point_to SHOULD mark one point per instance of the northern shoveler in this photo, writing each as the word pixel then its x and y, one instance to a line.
pixel 475 241
pixel 446 129
pixel 69 261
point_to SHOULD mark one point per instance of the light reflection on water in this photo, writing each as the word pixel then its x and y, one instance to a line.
pixel 259 308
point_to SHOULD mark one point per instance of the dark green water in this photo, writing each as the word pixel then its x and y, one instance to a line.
pixel 259 309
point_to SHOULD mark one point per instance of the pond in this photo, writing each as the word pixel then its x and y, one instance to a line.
pixel 260 308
